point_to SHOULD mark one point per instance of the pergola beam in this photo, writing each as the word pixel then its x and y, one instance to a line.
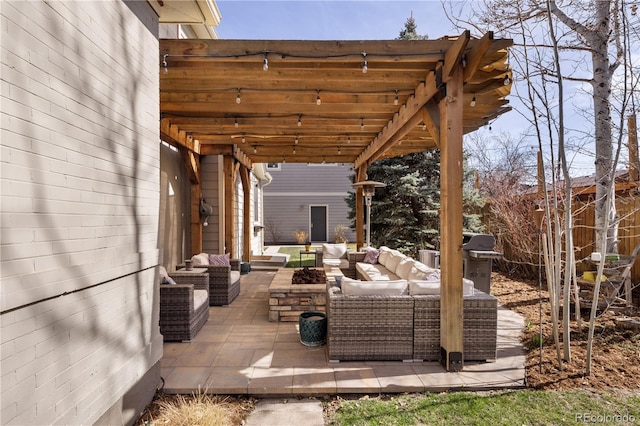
pixel 423 93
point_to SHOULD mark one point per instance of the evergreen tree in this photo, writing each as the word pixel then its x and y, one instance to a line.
pixel 410 31
pixel 405 213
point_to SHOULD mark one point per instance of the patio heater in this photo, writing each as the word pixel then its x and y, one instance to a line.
pixel 368 189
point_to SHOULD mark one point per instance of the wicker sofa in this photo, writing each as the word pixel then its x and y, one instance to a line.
pixel 224 280
pixel 184 306
pixel 404 327
pixel 392 312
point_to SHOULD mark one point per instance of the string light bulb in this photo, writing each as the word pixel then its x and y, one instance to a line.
pixel 395 100
pixel 365 67
pixel 507 80
pixel 473 101
pixel 165 69
pixel 255 149
pixel 265 63
pixel 348 138
pixel 294 150
pixel 299 120
pixel 244 139
pixel 362 124
pixel 318 101
pixel 235 123
pixel 296 141
pixel 238 98
pixel 424 127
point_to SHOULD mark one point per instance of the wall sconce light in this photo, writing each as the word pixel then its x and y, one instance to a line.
pixel 206 210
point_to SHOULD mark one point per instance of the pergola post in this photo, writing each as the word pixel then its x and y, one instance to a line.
pixel 230 170
pixel 245 177
pixel 451 131
pixel 361 175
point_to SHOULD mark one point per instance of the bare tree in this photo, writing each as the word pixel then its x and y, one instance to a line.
pixel 560 43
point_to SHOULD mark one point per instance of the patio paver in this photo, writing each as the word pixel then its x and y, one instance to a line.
pixel 239 351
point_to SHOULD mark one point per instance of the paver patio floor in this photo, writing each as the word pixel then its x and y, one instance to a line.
pixel 239 351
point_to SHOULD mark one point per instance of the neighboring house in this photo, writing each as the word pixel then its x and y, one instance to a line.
pixel 307 197
pixel 92 203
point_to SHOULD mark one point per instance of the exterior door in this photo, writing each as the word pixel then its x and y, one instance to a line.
pixel 319 222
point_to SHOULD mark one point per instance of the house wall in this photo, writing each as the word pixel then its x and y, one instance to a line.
pixel 80 342
pixel 297 186
pixel 211 169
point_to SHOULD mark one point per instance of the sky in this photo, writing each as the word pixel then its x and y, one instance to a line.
pixel 329 20
pixel 357 20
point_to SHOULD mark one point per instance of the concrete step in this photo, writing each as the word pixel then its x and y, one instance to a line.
pixel 271 264
pixel 265 268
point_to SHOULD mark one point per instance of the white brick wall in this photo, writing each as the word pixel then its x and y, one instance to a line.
pixel 79 213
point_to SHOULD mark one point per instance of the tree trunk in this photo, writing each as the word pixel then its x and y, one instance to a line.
pixel 598 41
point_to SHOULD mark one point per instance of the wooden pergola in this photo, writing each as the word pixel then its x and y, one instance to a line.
pixel 275 101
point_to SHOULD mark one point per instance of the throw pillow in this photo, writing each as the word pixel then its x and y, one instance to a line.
pixel 164 276
pixel 168 280
pixel 220 259
pixel 434 276
pixel 372 256
pixel 404 268
pixel 334 251
pixel 200 259
pixel 384 255
pixel 162 273
pixel 394 259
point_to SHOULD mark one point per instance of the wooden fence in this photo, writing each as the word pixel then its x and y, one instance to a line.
pixel 628 209
pixel 512 224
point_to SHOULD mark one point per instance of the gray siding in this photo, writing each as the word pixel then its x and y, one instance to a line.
pixel 296 187
pixel 213 235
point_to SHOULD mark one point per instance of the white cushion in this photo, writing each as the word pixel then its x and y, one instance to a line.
pixel 362 288
pixel 424 287
pixel 376 272
pixel 420 271
pixel 433 287
pixel 234 276
pixel 393 260
pixel 334 251
pixel 200 259
pixel 404 268
pixel 336 263
pixel 200 297
pixel 384 255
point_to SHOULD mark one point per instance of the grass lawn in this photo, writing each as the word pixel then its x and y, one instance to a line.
pixel 294 259
pixel 527 407
pixel 307 259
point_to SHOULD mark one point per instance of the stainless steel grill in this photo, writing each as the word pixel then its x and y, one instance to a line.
pixel 477 256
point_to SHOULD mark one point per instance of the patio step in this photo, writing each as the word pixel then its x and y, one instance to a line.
pixel 272 264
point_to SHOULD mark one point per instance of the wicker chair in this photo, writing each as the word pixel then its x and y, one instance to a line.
pixel 184 308
pixel 224 282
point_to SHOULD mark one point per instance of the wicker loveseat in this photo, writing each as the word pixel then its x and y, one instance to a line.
pixel 224 280
pixel 184 306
